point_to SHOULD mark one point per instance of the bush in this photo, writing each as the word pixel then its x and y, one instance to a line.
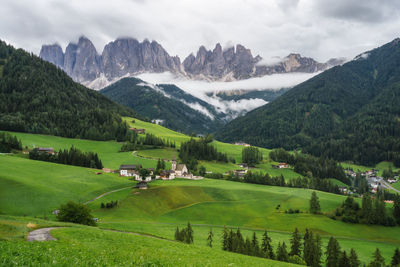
pixel 76 213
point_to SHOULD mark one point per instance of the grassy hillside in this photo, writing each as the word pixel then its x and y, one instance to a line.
pixel 88 246
pixel 214 203
pixel 36 188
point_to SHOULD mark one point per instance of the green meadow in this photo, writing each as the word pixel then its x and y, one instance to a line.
pixel 215 204
pixel 35 188
pixel 88 246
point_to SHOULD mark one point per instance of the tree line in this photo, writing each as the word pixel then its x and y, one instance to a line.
pixel 265 179
pixel 372 211
pixel 136 142
pixel 73 156
pixel 201 149
pixel 251 155
pixel 309 165
pixel 9 142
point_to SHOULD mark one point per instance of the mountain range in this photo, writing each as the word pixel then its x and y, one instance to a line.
pixel 127 57
pixel 349 112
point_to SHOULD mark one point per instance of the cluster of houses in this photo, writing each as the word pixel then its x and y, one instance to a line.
pixel 177 171
pixel 372 177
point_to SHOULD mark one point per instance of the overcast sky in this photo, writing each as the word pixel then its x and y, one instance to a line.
pixel 317 28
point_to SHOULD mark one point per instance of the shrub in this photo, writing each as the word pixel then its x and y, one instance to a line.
pixel 75 213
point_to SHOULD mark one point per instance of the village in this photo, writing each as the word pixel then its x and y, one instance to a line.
pixel 375 182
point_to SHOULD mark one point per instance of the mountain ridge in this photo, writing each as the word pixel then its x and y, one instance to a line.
pixel 126 57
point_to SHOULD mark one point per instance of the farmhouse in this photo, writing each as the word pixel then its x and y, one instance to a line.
pixel 142 185
pixel 239 173
pixel 167 175
pixel 139 131
pixel 283 165
pixel 46 150
pixel 241 144
pixel 130 170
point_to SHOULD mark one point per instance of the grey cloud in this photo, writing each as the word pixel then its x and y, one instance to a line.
pixel 316 28
pixel 370 11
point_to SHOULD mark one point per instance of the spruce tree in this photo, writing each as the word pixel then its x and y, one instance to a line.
pixel 353 259
pixel 255 245
pixel 315 207
pixel 396 209
pixel 318 251
pixel 177 234
pixel 295 243
pixel 281 252
pixel 189 234
pixel 396 258
pixel 225 238
pixel 377 259
pixel 210 238
pixel 366 209
pixel 266 246
pixel 239 242
pixel 343 260
pixel 332 253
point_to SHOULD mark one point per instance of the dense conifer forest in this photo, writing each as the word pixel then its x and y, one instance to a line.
pixel 349 112
pixel 38 97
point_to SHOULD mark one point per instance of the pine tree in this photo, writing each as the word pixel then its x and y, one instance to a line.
pixel 254 243
pixel 396 209
pixel 189 234
pixel 177 234
pixel 266 246
pixel 343 260
pixel 318 251
pixel 295 243
pixel 225 238
pixel 239 242
pixel 210 238
pixel 396 257
pixel 281 252
pixel 353 259
pixel 377 260
pixel 315 207
pixel 366 209
pixel 332 253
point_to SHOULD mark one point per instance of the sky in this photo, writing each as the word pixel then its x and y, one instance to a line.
pixel 321 29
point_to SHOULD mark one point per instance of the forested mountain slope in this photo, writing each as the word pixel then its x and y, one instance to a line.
pixel 350 112
pixel 38 97
pixel 176 109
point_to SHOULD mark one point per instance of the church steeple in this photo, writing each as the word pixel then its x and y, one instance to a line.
pixel 173 163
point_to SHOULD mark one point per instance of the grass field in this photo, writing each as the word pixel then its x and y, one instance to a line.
pixel 88 246
pixel 214 203
pixel 35 188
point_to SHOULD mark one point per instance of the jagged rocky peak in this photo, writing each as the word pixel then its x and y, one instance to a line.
pixel 219 63
pixel 127 57
pixel 53 53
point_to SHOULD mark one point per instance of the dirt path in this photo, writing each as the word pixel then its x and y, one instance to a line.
pixel 42 234
pixel 107 193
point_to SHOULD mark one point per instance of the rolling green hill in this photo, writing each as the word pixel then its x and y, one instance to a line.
pixel 349 112
pixel 38 97
pixel 164 102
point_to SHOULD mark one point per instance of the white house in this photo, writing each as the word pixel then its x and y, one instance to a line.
pixel 130 170
pixel 180 170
